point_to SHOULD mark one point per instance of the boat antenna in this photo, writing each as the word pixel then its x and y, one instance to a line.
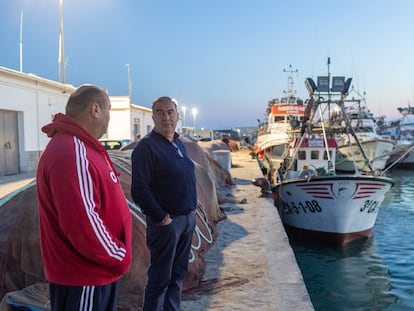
pixel 329 93
pixel 290 92
pixel 329 75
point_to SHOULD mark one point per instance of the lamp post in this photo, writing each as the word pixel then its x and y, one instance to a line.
pixel 184 109
pixel 61 45
pixel 129 81
pixel 194 111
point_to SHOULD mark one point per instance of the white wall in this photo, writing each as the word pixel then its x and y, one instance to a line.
pixel 36 100
pixel 144 115
pixel 123 117
pixel 37 106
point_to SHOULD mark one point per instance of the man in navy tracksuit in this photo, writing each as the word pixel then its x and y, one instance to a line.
pixel 164 186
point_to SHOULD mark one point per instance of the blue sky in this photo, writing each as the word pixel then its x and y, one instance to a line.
pixel 223 57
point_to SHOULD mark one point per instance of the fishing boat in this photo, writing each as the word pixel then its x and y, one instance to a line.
pixel 402 133
pixel 377 149
pixel 283 115
pixel 313 199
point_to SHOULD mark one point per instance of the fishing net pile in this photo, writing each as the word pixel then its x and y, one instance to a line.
pixel 21 272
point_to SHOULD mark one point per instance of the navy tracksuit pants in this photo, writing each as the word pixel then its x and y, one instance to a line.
pixel 88 298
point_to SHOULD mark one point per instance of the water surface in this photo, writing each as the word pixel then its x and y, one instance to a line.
pixel 374 274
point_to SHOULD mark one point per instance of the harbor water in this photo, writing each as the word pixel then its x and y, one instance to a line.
pixel 374 274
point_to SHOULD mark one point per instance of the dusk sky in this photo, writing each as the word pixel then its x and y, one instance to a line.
pixel 223 57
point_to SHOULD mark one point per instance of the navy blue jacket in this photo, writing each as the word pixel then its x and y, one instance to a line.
pixel 163 179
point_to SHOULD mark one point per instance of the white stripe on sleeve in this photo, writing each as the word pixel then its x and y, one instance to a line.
pixel 87 194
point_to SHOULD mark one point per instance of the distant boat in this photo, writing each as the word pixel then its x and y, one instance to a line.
pixel 377 149
pixel 284 114
pixel 402 132
pixel 313 199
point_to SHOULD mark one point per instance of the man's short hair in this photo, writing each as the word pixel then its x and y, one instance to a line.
pixel 84 96
pixel 163 99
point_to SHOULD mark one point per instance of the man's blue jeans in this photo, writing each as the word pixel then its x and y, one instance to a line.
pixel 170 248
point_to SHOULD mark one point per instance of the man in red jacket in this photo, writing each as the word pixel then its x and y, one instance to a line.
pixel 85 222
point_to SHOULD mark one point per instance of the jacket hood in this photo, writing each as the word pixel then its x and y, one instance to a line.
pixel 64 124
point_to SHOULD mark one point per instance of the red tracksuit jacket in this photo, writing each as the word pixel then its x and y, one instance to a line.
pixel 85 222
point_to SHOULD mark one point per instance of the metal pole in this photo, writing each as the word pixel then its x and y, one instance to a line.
pixel 184 109
pixel 195 115
pixel 129 81
pixel 61 45
pixel 21 42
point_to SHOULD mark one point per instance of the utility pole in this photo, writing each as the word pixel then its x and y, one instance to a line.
pixel 129 81
pixel 61 45
pixel 21 42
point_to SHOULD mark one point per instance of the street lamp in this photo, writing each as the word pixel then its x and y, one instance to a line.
pixel 61 45
pixel 194 111
pixel 184 109
pixel 129 81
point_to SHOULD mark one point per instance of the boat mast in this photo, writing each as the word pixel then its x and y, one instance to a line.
pixel 290 90
pixel 329 97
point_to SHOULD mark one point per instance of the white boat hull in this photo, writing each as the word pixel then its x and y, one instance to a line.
pixel 277 136
pixel 338 209
pixel 408 161
pixel 378 152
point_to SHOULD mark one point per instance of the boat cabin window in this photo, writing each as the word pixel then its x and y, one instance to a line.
pixel 302 155
pixel 292 117
pixel 294 123
pixel 316 157
pixel 314 154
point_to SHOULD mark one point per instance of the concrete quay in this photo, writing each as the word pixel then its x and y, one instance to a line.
pixel 10 183
pixel 252 265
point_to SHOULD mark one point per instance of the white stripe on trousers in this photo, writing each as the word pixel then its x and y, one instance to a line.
pixel 86 302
